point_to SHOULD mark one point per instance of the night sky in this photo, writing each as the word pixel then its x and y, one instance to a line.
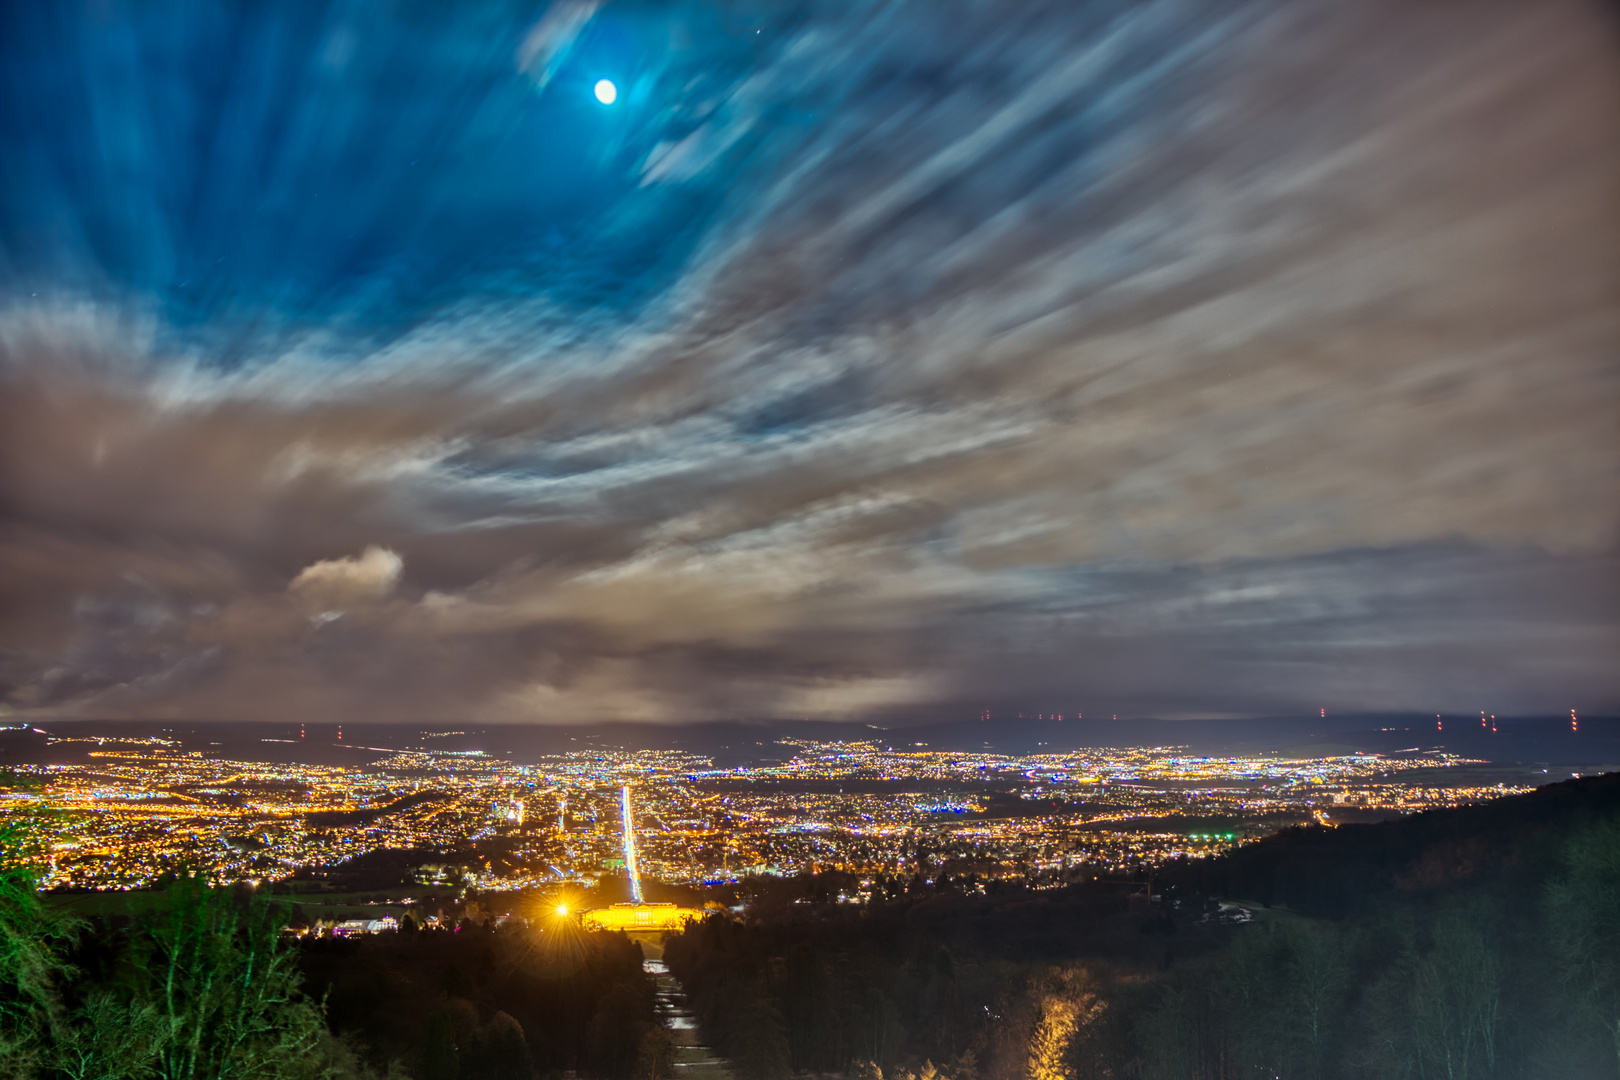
pixel 859 360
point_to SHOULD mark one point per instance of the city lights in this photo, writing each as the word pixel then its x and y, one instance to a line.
pixel 139 808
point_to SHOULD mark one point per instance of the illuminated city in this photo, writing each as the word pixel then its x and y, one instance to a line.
pixel 140 808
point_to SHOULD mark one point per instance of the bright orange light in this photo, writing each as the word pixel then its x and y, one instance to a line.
pixel 562 909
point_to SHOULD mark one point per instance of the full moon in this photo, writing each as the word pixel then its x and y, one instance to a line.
pixel 606 92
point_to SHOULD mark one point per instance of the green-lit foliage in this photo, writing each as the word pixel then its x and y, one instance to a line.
pixel 225 992
pixel 33 941
pixel 197 988
pixel 111 1039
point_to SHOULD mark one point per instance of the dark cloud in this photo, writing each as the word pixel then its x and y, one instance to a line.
pixel 1175 358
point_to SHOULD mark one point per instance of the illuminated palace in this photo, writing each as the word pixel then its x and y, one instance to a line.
pixel 637 914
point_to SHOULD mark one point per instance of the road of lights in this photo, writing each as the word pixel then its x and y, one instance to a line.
pixel 626 820
pixel 138 809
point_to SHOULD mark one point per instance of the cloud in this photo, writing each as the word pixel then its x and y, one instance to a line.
pixel 334 583
pixel 1164 359
pixel 547 43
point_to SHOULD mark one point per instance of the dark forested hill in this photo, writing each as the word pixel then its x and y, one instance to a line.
pixel 1510 844
pixel 491 1004
pixel 1468 943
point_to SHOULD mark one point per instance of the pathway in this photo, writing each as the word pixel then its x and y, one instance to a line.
pixel 693 1060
